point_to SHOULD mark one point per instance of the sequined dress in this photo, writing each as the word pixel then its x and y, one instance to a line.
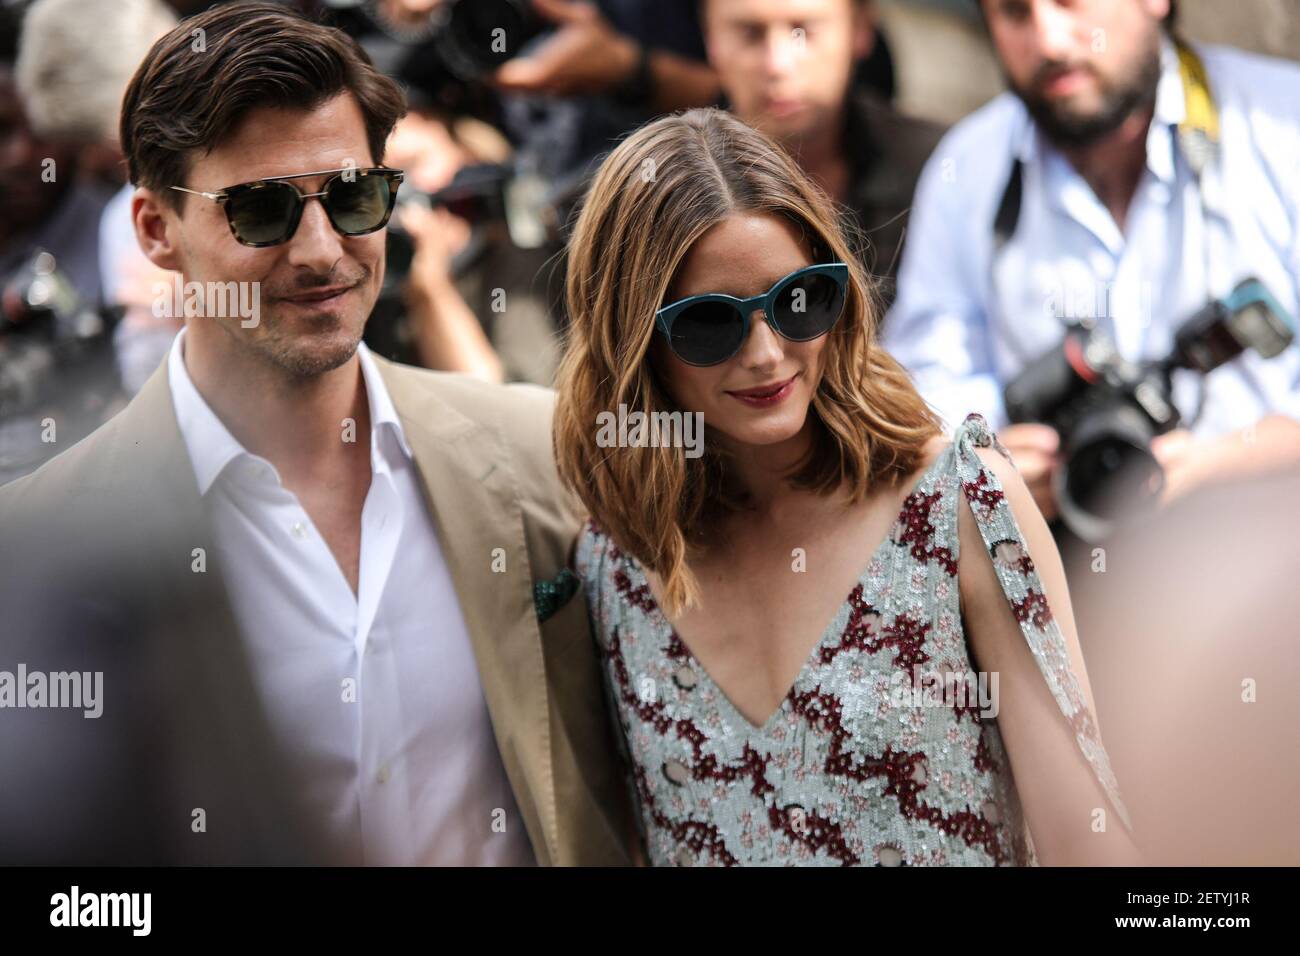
pixel 866 761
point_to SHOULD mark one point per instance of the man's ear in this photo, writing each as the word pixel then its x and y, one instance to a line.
pixel 157 228
pixel 864 28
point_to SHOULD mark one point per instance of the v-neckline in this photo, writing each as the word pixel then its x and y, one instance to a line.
pixel 722 696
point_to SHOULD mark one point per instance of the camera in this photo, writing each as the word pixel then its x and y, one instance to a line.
pixel 488 196
pixel 479 35
pixel 1108 409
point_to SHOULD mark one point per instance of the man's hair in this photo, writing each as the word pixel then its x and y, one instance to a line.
pixel 76 58
pixel 200 80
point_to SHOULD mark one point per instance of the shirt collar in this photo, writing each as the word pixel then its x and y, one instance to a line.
pixel 211 447
pixel 1170 110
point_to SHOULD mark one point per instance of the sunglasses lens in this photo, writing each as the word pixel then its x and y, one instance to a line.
pixel 807 307
pixel 706 333
pixel 263 215
pixel 359 206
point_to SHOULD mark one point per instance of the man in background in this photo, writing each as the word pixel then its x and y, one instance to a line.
pixel 1073 197
pixel 787 68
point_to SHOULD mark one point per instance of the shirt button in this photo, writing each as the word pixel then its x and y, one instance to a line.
pixel 383 774
pixel 684 857
pixel 299 530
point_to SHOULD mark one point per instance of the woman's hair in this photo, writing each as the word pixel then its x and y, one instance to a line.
pixel 657 193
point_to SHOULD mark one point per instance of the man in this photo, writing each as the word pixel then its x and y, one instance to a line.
pixel 364 536
pixel 1072 197
pixel 787 67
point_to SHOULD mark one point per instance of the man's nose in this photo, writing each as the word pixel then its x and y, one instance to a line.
pixel 315 245
pixel 1056 29
pixel 782 50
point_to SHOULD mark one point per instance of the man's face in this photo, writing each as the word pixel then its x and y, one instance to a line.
pixel 1080 66
pixel 316 290
pixel 786 65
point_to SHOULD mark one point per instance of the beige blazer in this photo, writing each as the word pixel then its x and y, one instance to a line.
pixel 484 455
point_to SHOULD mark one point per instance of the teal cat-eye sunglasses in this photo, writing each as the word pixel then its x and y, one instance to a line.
pixel 711 328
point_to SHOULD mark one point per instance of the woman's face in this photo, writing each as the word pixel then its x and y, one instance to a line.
pixel 761 395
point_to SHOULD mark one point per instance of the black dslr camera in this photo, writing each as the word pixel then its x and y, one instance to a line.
pixel 480 35
pixel 1108 409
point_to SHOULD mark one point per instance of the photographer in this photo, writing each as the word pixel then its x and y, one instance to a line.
pixel 1126 180
pixel 470 300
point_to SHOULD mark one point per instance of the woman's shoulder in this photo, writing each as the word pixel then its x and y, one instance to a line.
pixel 595 553
pixel 590 548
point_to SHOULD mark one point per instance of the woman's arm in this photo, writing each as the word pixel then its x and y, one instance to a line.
pixel 1058 790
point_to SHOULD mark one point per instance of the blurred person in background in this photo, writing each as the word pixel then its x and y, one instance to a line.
pixel 788 67
pixel 1194 661
pixel 1126 182
pixel 472 300
pixel 52 190
pixel 64 350
pixel 77 57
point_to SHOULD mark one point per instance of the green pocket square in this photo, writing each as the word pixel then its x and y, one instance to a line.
pixel 550 596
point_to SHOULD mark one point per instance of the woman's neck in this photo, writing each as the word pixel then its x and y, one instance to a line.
pixel 762 473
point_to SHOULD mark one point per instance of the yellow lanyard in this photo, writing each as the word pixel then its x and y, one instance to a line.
pixel 1198 133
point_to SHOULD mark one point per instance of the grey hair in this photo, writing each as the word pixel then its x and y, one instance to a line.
pixel 75 59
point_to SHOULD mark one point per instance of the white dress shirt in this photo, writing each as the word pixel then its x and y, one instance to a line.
pixel 965 327
pixel 374 696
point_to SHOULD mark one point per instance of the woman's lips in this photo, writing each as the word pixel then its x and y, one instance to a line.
pixel 765 396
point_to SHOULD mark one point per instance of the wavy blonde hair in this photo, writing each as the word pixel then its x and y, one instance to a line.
pixel 660 190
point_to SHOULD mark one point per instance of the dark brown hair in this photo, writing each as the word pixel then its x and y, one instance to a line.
pixel 199 81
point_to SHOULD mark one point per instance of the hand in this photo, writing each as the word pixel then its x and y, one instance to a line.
pixel 437 236
pixel 585 55
pixel 1190 462
pixel 1174 451
pixel 1035 449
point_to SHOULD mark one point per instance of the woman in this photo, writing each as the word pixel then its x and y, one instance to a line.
pixel 776 613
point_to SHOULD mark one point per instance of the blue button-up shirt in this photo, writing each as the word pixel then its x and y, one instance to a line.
pixel 967 320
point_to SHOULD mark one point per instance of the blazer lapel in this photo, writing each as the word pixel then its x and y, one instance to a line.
pixel 475 508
